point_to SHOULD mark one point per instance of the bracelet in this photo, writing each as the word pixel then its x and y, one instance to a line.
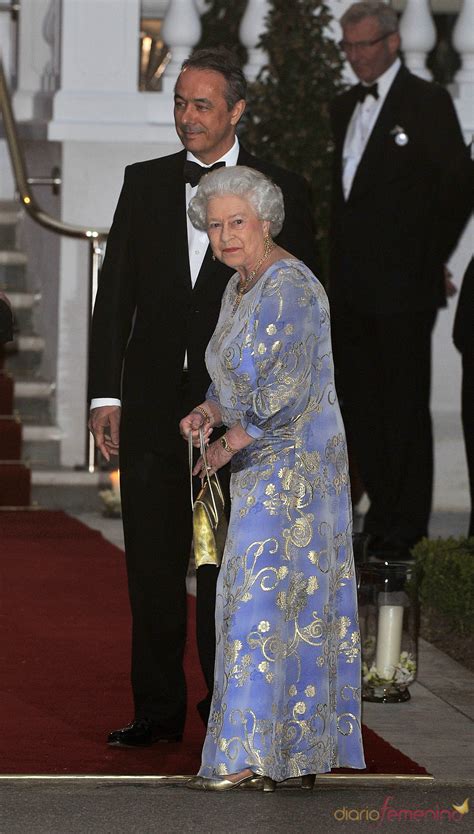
pixel 226 447
pixel 202 411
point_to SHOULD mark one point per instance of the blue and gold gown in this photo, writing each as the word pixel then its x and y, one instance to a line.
pixel 287 689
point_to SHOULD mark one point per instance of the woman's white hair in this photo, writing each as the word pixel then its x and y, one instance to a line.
pixel 263 195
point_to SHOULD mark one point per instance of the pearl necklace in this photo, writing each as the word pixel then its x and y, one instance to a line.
pixel 244 285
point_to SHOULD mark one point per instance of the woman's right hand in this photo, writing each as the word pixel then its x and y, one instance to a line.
pixel 192 423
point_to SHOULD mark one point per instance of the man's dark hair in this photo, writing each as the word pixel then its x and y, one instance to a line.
pixel 222 60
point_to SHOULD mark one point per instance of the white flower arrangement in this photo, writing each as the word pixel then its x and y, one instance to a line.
pixel 403 673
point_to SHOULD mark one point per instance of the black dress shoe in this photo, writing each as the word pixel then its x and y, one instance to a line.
pixel 141 733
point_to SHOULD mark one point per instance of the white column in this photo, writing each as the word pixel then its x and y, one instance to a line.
pixel 52 36
pixel 6 44
pixel 31 100
pixel 251 28
pixel 99 63
pixel 418 36
pixel 463 40
pixel 7 189
pixel 99 95
pixel 181 31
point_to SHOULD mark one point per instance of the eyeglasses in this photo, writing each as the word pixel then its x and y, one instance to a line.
pixel 346 46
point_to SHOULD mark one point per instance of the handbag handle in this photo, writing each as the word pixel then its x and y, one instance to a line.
pixel 202 446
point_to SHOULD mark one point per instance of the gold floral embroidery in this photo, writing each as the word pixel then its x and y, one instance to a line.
pixel 290 560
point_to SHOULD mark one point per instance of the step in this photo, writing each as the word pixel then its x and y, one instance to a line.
pixel 8 227
pixel 24 353
pixel 12 270
pixel 33 399
pixel 10 216
pixel 10 257
pixel 10 211
pixel 15 484
pixel 23 305
pixel 41 445
pixel 6 393
pixel 10 438
pixel 67 489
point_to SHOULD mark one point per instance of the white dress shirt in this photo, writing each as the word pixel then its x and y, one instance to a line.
pixel 197 244
pixel 361 125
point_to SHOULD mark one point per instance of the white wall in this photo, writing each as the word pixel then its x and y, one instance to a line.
pixel 103 123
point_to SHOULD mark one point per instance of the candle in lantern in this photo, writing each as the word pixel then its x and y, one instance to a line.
pixel 389 639
pixel 114 478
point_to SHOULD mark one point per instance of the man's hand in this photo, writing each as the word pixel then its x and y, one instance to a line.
pixel 450 287
pixel 104 423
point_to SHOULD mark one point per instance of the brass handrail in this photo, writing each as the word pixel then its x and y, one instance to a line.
pixel 12 7
pixel 21 177
pixel 96 238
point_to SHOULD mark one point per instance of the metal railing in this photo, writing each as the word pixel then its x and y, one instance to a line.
pixel 95 238
pixel 13 8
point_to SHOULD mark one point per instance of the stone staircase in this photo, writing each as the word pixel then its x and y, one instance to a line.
pixel 34 396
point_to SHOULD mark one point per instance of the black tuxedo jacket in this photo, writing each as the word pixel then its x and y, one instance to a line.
pixel 6 322
pixel 463 329
pixel 407 206
pixel 147 314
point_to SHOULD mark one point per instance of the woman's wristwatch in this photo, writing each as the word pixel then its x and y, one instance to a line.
pixel 226 447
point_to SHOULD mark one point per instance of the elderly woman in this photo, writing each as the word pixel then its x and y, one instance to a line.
pixel 286 698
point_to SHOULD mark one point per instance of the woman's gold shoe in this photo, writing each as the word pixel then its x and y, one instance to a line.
pixel 307 781
pixel 269 785
pixel 200 783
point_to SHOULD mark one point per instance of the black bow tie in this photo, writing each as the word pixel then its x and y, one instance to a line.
pixel 363 91
pixel 193 172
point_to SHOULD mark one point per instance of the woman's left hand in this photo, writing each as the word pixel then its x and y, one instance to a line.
pixel 216 458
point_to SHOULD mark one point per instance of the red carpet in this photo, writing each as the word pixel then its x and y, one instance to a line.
pixel 65 649
pixel 15 476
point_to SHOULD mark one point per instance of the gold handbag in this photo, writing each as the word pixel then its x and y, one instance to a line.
pixel 209 520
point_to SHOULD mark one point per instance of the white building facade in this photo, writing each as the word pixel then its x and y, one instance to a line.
pixel 74 68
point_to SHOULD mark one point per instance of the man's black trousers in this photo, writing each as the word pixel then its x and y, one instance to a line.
pixel 157 523
pixel 384 374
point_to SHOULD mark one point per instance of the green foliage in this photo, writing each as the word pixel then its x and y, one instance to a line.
pixel 288 111
pixel 220 26
pixel 445 573
pixel 287 120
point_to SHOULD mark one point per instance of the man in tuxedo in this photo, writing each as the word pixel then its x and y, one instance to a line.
pixel 400 199
pixel 156 309
pixel 6 319
pixel 463 337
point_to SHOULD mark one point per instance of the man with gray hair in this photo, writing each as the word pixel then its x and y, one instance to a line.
pixel 401 196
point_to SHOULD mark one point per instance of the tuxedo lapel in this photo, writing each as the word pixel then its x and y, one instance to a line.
pixel 346 109
pixel 342 117
pixel 175 205
pixel 208 269
pixel 372 158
